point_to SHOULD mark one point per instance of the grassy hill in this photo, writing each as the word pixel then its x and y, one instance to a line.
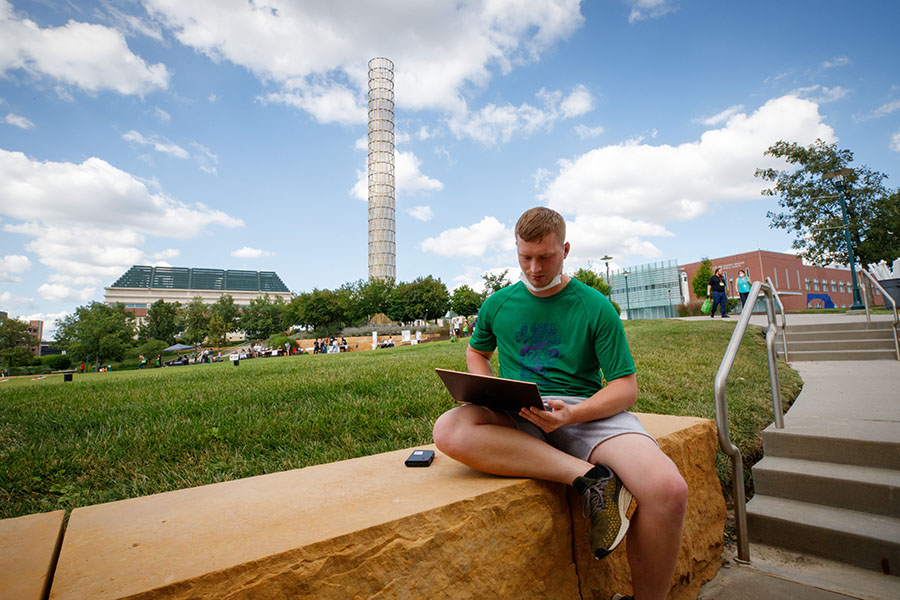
pixel 110 436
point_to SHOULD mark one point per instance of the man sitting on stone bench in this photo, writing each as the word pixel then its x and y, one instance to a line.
pixel 565 336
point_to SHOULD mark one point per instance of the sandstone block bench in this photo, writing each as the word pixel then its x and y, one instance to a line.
pixel 366 528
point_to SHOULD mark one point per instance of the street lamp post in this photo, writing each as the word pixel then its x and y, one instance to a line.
pixel 627 296
pixel 841 185
pixel 606 259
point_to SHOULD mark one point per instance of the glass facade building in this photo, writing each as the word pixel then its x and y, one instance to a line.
pixel 649 291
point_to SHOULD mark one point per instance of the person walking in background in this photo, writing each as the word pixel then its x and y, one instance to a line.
pixel 743 286
pixel 717 287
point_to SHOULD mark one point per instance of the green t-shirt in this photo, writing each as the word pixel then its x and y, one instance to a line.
pixel 566 343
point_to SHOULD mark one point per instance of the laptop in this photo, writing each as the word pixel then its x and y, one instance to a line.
pixel 495 393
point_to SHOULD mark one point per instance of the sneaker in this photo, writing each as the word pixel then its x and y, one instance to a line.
pixel 725 317
pixel 605 501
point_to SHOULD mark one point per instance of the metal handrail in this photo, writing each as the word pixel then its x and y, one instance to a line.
pixel 737 465
pixel 783 320
pixel 887 297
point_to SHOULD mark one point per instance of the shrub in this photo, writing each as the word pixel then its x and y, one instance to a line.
pixel 58 362
pixel 690 309
pixel 279 340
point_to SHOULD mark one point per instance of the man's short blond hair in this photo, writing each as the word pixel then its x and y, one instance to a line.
pixel 537 222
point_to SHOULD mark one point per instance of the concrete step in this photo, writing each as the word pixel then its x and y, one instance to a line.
pixel 861 539
pixel 864 489
pixel 859 325
pixel 842 334
pixel 820 355
pixel 846 344
pixel 865 443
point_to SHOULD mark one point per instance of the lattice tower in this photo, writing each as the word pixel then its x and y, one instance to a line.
pixel 382 222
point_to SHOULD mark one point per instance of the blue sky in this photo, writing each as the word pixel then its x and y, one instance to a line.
pixel 230 133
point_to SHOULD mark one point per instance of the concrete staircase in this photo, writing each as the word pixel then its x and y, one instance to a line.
pixel 839 341
pixel 829 484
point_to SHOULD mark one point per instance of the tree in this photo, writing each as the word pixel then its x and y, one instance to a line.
pixel 591 279
pixel 494 282
pixel 465 301
pixel 318 309
pixel 372 296
pixel 162 322
pixel 216 331
pixel 812 205
pixel 96 332
pixel 263 317
pixel 15 340
pixel 701 278
pixel 225 309
pixel 196 321
pixel 425 298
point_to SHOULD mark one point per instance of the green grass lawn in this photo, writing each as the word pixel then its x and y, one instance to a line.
pixel 110 436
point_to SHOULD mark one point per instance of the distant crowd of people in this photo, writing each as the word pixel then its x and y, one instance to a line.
pixel 330 346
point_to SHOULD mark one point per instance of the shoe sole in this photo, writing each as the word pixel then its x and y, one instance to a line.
pixel 623 504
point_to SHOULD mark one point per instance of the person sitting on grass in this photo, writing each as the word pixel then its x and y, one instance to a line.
pixel 566 337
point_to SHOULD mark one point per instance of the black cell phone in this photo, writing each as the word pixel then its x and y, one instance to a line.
pixel 420 458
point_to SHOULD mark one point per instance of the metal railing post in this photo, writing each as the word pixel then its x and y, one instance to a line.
pixel 734 453
pixel 874 282
pixel 783 320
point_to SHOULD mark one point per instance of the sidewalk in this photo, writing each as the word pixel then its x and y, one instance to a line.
pixel 841 395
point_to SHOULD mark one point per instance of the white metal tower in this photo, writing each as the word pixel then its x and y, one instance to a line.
pixel 382 222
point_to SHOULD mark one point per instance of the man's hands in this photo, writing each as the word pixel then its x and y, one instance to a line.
pixel 549 420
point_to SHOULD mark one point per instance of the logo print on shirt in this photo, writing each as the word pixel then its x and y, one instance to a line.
pixel 538 349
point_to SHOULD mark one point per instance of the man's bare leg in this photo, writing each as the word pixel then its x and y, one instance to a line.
pixel 655 534
pixel 489 442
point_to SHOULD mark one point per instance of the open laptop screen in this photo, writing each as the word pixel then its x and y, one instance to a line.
pixel 495 393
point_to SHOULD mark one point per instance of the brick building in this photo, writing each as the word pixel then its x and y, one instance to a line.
pixel 799 286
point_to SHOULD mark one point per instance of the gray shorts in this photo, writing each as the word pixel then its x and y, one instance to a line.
pixel 580 439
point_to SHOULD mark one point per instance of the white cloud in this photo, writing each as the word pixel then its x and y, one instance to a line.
pixel 158 144
pixel 248 252
pixel 895 141
pixel 579 102
pixel 12 304
pixel 14 263
pixel 821 94
pixel 162 115
pixel 882 111
pixel 648 9
pixel 19 121
pixel 838 61
pixel 56 292
pixel 165 254
pixel 585 132
pixel 487 235
pixel 90 219
pixel 408 178
pixel 493 124
pixel 723 116
pixel 328 104
pixel 206 159
pixel 92 57
pixel 634 187
pixel 422 213
pixel 316 53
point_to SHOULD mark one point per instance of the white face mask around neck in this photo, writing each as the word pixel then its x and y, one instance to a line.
pixel 556 281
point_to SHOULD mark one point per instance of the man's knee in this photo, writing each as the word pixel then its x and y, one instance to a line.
pixel 669 494
pixel 451 431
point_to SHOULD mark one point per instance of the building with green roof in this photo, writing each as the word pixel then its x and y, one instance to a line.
pixel 141 285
